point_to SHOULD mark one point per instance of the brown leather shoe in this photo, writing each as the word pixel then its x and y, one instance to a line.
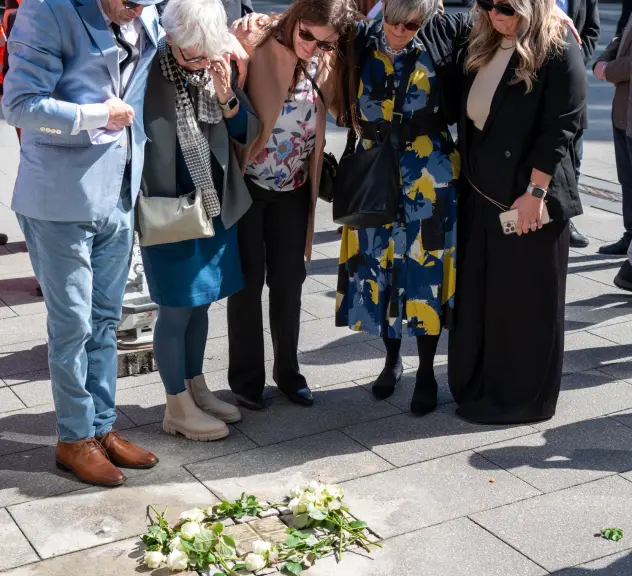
pixel 89 462
pixel 124 453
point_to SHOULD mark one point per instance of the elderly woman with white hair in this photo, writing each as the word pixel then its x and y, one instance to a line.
pixel 194 117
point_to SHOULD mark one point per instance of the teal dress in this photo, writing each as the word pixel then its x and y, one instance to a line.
pixel 405 271
pixel 195 272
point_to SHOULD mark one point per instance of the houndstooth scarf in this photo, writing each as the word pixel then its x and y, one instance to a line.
pixel 195 148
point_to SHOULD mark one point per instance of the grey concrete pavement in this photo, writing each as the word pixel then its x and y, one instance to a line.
pixel 423 484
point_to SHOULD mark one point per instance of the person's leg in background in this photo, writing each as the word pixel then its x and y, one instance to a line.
pixel 578 240
pixel 623 157
pixel 182 415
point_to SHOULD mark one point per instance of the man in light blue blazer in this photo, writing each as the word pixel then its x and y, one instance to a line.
pixel 76 83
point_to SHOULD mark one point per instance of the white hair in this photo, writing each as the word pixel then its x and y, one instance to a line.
pixel 197 24
pixel 402 11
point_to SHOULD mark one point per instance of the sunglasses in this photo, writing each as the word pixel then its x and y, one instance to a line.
pixel 410 26
pixel 320 44
pixel 502 9
pixel 193 60
pixel 130 5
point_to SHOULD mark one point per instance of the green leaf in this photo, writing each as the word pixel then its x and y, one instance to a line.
pixel 311 540
pixel 613 534
pixel 204 541
pixel 358 525
pixel 293 540
pixel 292 568
pixel 218 528
pixel 227 546
pixel 301 520
pixel 318 514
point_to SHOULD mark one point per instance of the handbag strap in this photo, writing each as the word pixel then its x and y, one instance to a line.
pixel 502 207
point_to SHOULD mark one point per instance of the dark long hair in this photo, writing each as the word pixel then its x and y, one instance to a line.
pixel 341 16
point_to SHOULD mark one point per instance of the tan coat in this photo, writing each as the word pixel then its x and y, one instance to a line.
pixel 270 73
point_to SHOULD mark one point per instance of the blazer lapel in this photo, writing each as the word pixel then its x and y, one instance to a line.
pixel 501 92
pixel 102 36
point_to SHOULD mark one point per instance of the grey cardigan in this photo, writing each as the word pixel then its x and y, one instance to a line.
pixel 159 172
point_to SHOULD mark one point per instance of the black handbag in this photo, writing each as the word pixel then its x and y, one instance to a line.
pixel 328 177
pixel 368 182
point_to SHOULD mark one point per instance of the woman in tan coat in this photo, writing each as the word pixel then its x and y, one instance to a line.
pixel 290 78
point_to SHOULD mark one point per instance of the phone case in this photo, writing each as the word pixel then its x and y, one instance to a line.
pixel 509 220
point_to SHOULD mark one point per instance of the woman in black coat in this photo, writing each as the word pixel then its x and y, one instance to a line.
pixel 522 99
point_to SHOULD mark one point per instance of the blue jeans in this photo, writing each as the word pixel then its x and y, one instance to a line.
pixel 82 268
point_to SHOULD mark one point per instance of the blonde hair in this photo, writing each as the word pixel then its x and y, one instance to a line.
pixel 541 33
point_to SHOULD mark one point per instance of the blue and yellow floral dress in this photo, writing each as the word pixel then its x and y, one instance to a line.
pixel 386 274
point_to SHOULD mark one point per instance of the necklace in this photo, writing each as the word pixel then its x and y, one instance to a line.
pixel 511 46
pixel 389 50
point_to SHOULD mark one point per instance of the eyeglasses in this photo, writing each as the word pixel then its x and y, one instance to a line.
pixel 130 5
pixel 320 44
pixel 193 60
pixel 502 9
pixel 410 26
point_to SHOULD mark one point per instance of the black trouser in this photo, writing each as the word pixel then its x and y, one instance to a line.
pixel 272 238
pixel 626 10
pixel 623 155
pixel 578 146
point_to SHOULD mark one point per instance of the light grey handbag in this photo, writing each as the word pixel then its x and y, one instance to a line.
pixel 166 220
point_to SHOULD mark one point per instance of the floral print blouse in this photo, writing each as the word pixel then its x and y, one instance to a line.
pixel 282 165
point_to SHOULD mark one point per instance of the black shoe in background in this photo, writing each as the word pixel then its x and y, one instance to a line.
pixel 302 397
pixel 619 248
pixel 254 404
pixel 3 239
pixel 578 240
pixel 623 279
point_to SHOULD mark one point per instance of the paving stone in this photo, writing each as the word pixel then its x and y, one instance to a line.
pixel 30 475
pixel 32 428
pixel 406 439
pixel 323 334
pixel 585 351
pixel 405 387
pixel 326 275
pixel 615 565
pixel 5 311
pixel 25 303
pixel 9 401
pixel 271 530
pixel 340 364
pixel 143 404
pixel 620 333
pixel 334 406
pixel 35 392
pixel 272 472
pixel 320 305
pixel 407 499
pixel 137 380
pixel 96 516
pixel 177 450
pixel 217 351
pixel 244 536
pixel 23 357
pixel 571 519
pixel 15 547
pixel 588 395
pixel 600 224
pixel 16 330
pixel 217 323
pixel 565 456
pixel 18 281
pixel 121 558
pixel 12 263
pixel 457 548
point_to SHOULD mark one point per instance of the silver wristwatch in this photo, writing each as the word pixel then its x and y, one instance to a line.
pixel 230 105
pixel 536 191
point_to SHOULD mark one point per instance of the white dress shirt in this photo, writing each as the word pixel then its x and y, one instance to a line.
pixel 94 116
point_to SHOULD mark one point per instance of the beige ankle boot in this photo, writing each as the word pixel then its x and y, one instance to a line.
pixel 208 402
pixel 182 416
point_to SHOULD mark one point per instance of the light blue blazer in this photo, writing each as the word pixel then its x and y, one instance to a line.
pixel 61 54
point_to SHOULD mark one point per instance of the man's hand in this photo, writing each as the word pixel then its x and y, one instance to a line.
pixel 600 70
pixel 121 115
pixel 237 53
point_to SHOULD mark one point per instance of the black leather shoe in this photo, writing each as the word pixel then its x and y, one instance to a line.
pixel 302 397
pixel 619 248
pixel 577 240
pixel 3 239
pixel 623 279
pixel 255 404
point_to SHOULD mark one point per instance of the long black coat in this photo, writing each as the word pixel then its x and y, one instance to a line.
pixel 531 130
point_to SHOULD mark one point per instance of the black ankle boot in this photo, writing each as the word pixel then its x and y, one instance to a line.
pixel 385 384
pixel 424 398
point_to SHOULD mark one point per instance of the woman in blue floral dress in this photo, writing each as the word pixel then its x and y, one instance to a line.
pixel 405 271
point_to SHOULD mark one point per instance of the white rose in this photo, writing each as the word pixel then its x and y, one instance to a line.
pixel 314 486
pixel 189 530
pixel 255 562
pixel 293 506
pixel 261 548
pixel 334 491
pixel 296 492
pixel 176 544
pixel 334 505
pixel 273 556
pixel 177 561
pixel 195 515
pixel 154 559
